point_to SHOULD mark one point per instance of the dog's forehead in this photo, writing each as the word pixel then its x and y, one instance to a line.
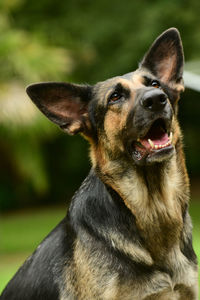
pixel 132 81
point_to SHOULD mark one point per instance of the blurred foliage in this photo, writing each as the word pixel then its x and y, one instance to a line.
pixel 22 55
pixel 81 41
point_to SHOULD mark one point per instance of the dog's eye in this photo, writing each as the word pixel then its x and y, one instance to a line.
pixel 155 83
pixel 114 97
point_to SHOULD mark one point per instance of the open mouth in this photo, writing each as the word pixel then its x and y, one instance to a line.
pixel 156 141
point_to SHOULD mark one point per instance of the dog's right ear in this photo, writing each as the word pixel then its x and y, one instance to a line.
pixel 65 104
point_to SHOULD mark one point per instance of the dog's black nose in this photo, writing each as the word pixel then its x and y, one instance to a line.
pixel 154 100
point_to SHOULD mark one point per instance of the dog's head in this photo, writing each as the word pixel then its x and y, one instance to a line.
pixel 130 117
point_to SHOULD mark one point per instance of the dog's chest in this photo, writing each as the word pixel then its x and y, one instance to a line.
pixel 158 286
pixel 180 285
pixel 100 283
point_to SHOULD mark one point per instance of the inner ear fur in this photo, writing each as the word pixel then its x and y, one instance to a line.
pixel 65 104
pixel 165 59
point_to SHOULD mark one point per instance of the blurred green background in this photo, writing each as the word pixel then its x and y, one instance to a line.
pixel 81 41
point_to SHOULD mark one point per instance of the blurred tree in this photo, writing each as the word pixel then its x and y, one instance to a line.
pixel 22 56
pixel 23 130
pixel 112 32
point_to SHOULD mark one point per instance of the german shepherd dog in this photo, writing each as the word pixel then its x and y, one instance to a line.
pixel 127 234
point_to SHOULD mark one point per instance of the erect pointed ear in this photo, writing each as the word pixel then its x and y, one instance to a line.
pixel 63 103
pixel 165 59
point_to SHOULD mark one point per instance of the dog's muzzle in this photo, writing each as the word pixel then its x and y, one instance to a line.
pixel 152 127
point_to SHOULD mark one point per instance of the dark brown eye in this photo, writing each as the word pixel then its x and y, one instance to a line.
pixel 155 83
pixel 114 97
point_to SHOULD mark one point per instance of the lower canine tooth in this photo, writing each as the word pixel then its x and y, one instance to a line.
pixel 171 137
pixel 156 146
pixel 151 143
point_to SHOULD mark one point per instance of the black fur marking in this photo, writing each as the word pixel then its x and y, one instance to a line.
pixel 120 89
pixel 94 202
pixel 97 208
pixel 186 247
pixel 188 250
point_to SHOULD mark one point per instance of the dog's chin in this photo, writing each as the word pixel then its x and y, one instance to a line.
pixel 152 157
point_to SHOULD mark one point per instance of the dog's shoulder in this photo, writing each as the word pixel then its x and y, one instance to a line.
pixel 38 276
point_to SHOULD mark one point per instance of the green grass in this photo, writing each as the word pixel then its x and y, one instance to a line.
pixel 20 233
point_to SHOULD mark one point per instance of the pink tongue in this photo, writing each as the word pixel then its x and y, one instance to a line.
pixel 161 139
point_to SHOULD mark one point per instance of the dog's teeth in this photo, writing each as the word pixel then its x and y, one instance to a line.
pixel 156 146
pixel 151 143
pixel 170 137
pixel 138 140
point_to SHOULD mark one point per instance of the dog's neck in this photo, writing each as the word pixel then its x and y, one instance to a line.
pixel 156 195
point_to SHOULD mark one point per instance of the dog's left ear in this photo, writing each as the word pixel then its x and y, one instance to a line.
pixel 65 104
pixel 165 59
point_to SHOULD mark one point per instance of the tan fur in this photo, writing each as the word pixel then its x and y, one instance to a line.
pixel 74 127
pixel 156 213
pixel 93 279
